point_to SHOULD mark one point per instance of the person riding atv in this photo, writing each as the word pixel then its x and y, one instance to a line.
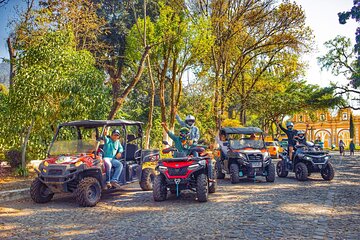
pixel 300 138
pixel 182 142
pixel 291 133
pixel 190 124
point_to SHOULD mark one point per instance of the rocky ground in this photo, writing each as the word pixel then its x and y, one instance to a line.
pixel 286 209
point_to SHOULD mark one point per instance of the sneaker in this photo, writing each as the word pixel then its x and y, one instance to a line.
pixel 115 184
pixel 108 185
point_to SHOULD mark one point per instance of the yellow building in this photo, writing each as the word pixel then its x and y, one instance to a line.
pixel 329 128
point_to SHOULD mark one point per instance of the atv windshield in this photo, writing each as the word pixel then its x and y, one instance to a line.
pixel 71 140
pixel 246 143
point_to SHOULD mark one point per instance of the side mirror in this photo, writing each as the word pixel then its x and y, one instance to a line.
pixel 165 142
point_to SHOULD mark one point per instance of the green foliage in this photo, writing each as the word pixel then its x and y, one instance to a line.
pixel 22 172
pixel 352 127
pixel 54 83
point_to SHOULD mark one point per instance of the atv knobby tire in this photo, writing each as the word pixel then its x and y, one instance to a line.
pixel 328 172
pixel 270 177
pixel 202 187
pixel 301 171
pixel 159 188
pixel 147 179
pixel 39 192
pixel 88 192
pixel 280 169
pixel 219 173
pixel 234 173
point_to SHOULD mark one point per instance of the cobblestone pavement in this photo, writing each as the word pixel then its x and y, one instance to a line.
pixel 286 209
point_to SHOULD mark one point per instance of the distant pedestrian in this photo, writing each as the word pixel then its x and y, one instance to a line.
pixel 342 148
pixel 352 148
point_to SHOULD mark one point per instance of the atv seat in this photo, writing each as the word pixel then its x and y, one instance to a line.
pixel 130 152
pixel 179 159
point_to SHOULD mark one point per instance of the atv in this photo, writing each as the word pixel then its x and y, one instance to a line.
pixel 185 172
pixel 307 159
pixel 75 165
pixel 242 153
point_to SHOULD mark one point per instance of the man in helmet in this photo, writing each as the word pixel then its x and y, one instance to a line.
pixel 190 124
pixel 182 142
pixel 291 133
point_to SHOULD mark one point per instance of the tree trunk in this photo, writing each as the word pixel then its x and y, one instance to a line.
pixel 151 108
pixel 12 61
pixel 173 94
pixel 121 99
pixel 26 140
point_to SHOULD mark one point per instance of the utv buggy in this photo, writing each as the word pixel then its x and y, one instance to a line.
pixel 184 172
pixel 243 153
pixel 74 163
pixel 307 159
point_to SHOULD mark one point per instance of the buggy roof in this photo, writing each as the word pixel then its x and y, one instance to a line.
pixel 100 123
pixel 243 130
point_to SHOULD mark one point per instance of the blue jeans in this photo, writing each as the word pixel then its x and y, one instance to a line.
pixel 118 166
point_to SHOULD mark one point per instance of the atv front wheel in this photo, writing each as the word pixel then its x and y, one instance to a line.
pixel 270 177
pixel 280 169
pixel 328 172
pixel 202 188
pixel 301 171
pixel 159 188
pixel 212 187
pixel 219 173
pixel 234 173
pixel 147 179
pixel 39 192
pixel 88 192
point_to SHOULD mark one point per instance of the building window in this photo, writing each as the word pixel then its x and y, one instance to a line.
pixel 344 116
pixel 322 117
pixel 300 118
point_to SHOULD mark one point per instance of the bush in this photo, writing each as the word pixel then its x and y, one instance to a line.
pixel 13 157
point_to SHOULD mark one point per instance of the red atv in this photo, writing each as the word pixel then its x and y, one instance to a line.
pixel 185 172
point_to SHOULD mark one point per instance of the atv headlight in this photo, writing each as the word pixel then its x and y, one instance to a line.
pixel 78 163
pixel 162 168
pixel 45 163
pixel 194 166
pixel 308 158
pixel 202 162
pixel 327 157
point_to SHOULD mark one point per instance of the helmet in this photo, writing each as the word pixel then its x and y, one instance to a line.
pixel 301 134
pixel 289 124
pixel 190 120
pixel 184 133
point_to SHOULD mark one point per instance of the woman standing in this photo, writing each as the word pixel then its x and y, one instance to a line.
pixel 342 148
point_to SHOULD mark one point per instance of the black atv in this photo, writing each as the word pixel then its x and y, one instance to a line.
pixel 184 172
pixel 240 155
pixel 307 159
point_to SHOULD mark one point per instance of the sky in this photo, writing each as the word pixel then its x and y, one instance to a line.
pixel 321 17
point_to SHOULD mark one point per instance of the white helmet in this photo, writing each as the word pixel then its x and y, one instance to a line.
pixel 190 120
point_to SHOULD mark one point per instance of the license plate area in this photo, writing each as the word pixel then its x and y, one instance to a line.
pixel 256 164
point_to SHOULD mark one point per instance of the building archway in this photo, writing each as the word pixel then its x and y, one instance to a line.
pixel 325 137
pixel 344 135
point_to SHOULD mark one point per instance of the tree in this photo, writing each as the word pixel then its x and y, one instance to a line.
pixel 352 127
pixel 340 59
pixel 250 35
pixel 54 83
pixel 354 13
